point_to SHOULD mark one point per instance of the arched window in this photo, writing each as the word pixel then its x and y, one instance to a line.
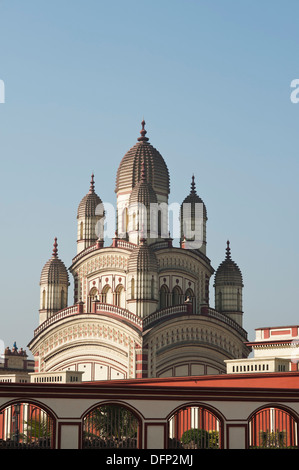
pixel 189 295
pixel 273 427
pixel 152 288
pixel 62 299
pixel 44 299
pixel 120 300
pixel 92 296
pixel 194 427
pixel 125 220
pixel 164 296
pixel 26 426
pixel 81 231
pixel 177 296
pixel 107 297
pixel 132 288
pixel 111 426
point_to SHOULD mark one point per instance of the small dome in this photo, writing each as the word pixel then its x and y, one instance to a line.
pixel 143 192
pixel 192 199
pixel 54 271
pixel 143 259
pixel 130 168
pixel 88 205
pixel 228 272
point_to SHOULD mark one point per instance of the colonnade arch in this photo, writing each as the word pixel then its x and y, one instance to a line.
pixel 175 297
pixel 117 424
pixel 26 424
pixel 273 426
pixel 195 426
pixel 111 425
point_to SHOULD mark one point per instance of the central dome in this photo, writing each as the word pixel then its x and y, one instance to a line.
pixel 130 169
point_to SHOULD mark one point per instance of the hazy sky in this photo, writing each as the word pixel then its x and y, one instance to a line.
pixel 211 79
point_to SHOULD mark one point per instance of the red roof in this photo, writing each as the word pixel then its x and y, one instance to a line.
pixel 282 380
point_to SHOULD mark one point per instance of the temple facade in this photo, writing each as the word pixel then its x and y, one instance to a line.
pixel 141 304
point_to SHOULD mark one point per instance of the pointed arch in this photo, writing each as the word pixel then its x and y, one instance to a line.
pixel 189 294
pixel 120 299
pixel 177 296
pixel 92 296
pixel 164 296
pixel 106 294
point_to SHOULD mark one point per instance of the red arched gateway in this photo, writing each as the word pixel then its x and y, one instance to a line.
pixel 273 427
pixel 26 425
pixel 195 427
pixel 111 426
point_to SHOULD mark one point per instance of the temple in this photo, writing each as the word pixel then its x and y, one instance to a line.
pixel 141 305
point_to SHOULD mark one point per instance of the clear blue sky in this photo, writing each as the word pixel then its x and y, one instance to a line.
pixel 212 80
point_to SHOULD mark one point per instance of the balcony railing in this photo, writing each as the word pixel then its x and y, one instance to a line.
pixel 113 310
pixel 210 312
pixel 141 324
pixel 85 252
pixel 165 313
pixel 60 315
pixel 123 313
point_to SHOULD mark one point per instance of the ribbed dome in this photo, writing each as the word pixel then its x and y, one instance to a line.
pixel 130 168
pixel 192 199
pixel 143 192
pixel 143 259
pixel 54 271
pixel 228 272
pixel 88 205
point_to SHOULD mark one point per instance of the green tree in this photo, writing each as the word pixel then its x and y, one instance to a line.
pixel 111 424
pixel 195 438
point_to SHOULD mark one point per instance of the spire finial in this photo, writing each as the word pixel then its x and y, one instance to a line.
pixel 91 189
pixel 227 250
pixel 55 250
pixel 143 133
pixel 193 190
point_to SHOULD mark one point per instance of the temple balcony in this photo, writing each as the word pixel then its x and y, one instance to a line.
pixel 113 311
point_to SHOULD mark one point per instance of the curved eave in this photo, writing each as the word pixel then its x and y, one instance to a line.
pixel 96 251
pixel 195 254
pixel 183 316
pixel 82 316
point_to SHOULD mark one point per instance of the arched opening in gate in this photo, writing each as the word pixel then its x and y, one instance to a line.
pixel 111 426
pixel 26 426
pixel 194 427
pixel 273 427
